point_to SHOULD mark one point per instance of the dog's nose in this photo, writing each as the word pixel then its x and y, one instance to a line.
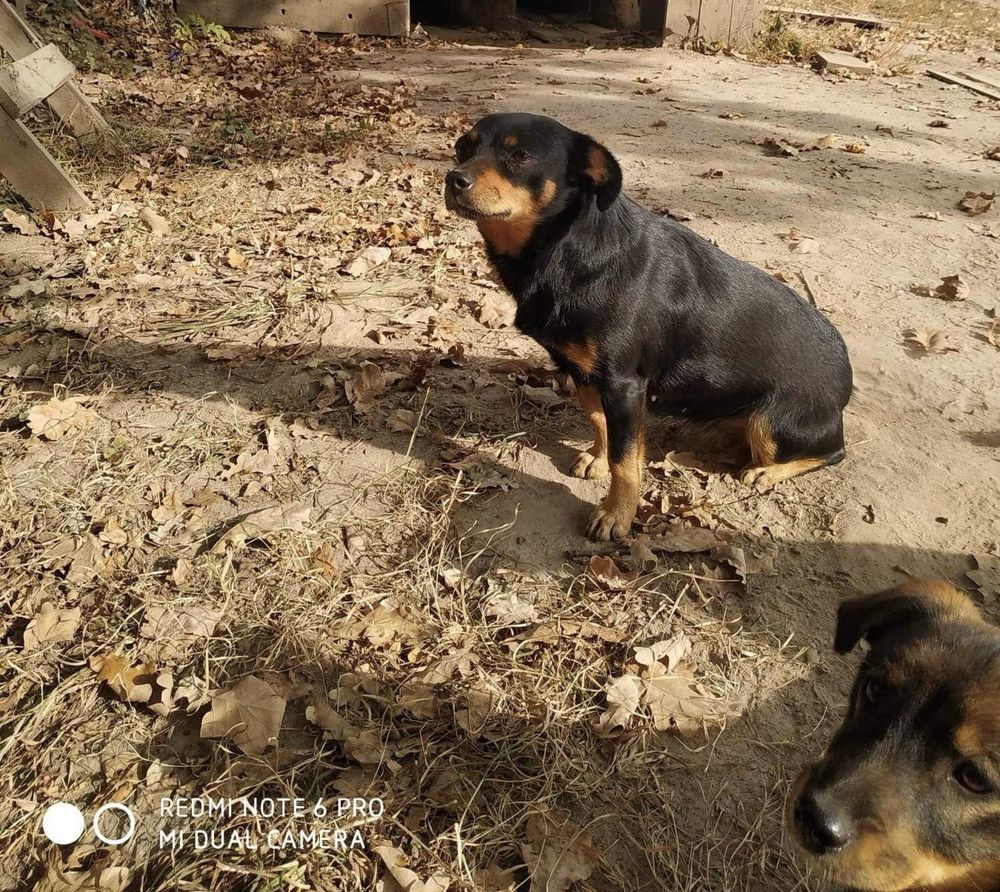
pixel 460 180
pixel 822 828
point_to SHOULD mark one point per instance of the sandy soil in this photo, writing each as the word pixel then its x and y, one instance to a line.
pixel 191 358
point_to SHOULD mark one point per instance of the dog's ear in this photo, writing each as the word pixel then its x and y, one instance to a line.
pixel 917 600
pixel 596 170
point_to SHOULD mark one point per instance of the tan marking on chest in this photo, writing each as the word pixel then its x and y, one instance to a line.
pixel 582 356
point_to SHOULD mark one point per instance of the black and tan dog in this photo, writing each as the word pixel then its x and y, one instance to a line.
pixel 907 797
pixel 638 308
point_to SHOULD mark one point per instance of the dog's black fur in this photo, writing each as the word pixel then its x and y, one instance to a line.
pixel 639 308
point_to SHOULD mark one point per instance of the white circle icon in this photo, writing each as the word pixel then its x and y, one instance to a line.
pixel 63 823
pixel 114 840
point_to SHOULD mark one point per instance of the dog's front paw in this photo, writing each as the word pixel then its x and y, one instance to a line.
pixel 589 466
pixel 757 477
pixel 611 521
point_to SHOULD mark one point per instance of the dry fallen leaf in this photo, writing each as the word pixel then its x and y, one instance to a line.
pixel 259 524
pixel 670 652
pixel 367 384
pixel 624 696
pixel 408 881
pixel 250 714
pixel 403 421
pixel 975 203
pixel 55 418
pixel 135 684
pixel 366 261
pixel 951 288
pixel 20 222
pixel 51 626
pixel 495 310
pixel 557 852
pixel 929 340
pixel 173 627
pixel 679 704
pixel 471 717
pixel 236 259
pixel 157 225
pixel 320 712
pixel 602 570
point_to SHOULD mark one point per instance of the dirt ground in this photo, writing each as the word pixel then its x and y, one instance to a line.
pixel 284 508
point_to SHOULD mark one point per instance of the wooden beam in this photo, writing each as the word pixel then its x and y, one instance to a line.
pixel 68 102
pixel 25 83
pixel 962 82
pixel 981 80
pixel 390 18
pixel 859 20
pixel 33 172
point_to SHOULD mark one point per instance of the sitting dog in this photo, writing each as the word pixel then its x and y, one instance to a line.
pixel 907 797
pixel 638 308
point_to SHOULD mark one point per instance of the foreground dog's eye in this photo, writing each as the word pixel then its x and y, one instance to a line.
pixel 519 156
pixel 873 691
pixel 972 779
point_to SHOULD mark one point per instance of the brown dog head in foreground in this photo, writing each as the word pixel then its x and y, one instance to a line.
pixel 907 796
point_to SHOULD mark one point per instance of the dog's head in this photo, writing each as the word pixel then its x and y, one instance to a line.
pixel 516 170
pixel 907 796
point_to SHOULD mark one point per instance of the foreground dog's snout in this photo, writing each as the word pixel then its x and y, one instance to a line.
pixel 459 180
pixel 822 828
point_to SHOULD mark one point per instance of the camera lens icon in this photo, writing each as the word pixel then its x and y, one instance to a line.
pixel 63 823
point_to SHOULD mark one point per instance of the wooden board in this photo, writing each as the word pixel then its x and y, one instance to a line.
pixel 33 172
pixel 713 20
pixel 388 18
pixel 25 83
pixel 962 82
pixel 68 103
pixel 746 21
pixel 830 17
pixel 682 18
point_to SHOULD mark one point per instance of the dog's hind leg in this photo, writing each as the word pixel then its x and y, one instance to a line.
pixel 593 464
pixel 809 447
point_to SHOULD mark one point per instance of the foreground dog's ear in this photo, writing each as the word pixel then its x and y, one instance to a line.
pixel 917 600
pixel 597 170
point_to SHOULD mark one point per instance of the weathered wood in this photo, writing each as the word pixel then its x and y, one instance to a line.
pixel 388 18
pixel 746 20
pixel 682 18
pixel 68 102
pixel 816 15
pixel 714 17
pixel 25 83
pixel 993 85
pixel 33 172
pixel 962 82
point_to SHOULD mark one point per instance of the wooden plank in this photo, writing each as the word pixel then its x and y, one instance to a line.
pixel 33 172
pixel 981 80
pixel 962 82
pixel 682 18
pixel 387 18
pixel 25 83
pixel 746 21
pixel 816 15
pixel 714 17
pixel 68 102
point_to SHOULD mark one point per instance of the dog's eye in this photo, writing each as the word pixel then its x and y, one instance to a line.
pixel 873 691
pixel 519 156
pixel 972 779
